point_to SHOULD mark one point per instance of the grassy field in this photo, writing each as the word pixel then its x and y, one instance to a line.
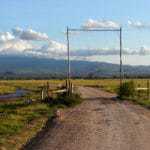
pixel 20 121
pixel 110 85
pixel 17 117
pixel 9 86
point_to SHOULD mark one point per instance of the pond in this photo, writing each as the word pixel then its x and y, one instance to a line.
pixel 17 94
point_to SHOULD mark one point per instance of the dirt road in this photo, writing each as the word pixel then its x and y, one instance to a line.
pixel 99 123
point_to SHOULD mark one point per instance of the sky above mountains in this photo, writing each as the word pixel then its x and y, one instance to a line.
pixel 37 28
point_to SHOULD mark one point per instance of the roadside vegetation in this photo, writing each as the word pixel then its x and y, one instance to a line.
pixel 128 91
pixel 21 119
pixel 66 100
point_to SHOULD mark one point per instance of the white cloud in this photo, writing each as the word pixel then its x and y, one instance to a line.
pixel 6 36
pixel 99 52
pixel 52 50
pixel 15 45
pixel 109 52
pixel 100 24
pixel 57 46
pixel 72 32
pixel 17 31
pixel 138 24
pixel 30 35
pixel 24 48
pixel 144 51
pixel 20 42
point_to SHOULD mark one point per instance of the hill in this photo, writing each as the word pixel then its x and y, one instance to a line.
pixel 30 67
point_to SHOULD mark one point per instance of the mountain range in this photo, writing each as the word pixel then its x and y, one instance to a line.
pixel 22 67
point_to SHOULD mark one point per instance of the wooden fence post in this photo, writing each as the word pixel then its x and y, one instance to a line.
pixel 138 91
pixel 47 89
pixel 71 87
pixel 42 94
pixel 66 84
pixel 148 90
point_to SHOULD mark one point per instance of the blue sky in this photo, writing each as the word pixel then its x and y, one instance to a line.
pixel 52 17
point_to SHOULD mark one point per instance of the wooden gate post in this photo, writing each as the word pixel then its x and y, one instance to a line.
pixel 148 90
pixel 138 91
pixel 42 93
pixel 47 89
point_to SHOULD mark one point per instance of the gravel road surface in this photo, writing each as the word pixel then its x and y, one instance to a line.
pixel 99 123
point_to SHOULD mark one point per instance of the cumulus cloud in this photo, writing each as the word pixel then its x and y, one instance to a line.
pixel 17 31
pixel 72 32
pixel 100 24
pixel 29 34
pixel 138 24
pixel 51 50
pixel 57 46
pixel 20 47
pixel 15 45
pixel 144 50
pixel 20 42
pixel 6 36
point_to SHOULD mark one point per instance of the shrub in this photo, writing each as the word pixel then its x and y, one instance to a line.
pixel 126 90
pixel 67 100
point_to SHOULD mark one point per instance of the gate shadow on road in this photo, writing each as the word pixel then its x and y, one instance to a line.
pixel 104 100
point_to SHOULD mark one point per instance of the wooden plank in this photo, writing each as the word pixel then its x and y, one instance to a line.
pixel 59 91
pixel 140 89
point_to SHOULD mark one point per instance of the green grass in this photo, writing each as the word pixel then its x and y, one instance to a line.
pixel 145 103
pixel 34 85
pixel 6 89
pixel 15 116
pixel 110 85
pixel 10 86
pixel 67 100
pixel 28 84
pixel 140 101
pixel 18 121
